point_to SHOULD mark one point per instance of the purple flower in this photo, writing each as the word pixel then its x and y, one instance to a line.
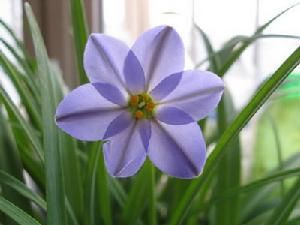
pixel 143 103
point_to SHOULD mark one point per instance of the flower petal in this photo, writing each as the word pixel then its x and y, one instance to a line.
pixel 166 86
pixel 104 58
pixel 160 52
pixel 173 116
pixel 145 132
pixel 178 150
pixel 119 124
pixel 198 93
pixel 124 153
pixel 134 74
pixel 85 114
pixel 111 93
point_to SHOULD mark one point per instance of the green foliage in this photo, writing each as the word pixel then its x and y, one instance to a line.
pixel 69 184
pixel 80 34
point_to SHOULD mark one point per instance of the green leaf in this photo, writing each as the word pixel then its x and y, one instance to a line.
pixel 19 44
pixel 16 213
pixel 22 189
pixel 137 198
pixel 12 34
pixel 70 161
pixel 117 191
pixel 227 49
pixel 10 161
pixel 80 34
pixel 278 149
pixel 152 193
pixel 18 80
pixel 247 42
pixel 283 210
pixel 226 211
pixel 56 213
pixel 256 185
pixel 103 193
pixel 90 183
pixel 265 188
pixel 16 54
pixel 27 129
pixel 238 123
pixel 71 214
pixel 213 58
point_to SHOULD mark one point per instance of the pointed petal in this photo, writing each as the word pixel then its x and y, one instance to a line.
pixel 166 86
pixel 134 74
pixel 119 124
pixel 160 52
pixel 178 150
pixel 111 93
pixel 85 114
pixel 145 132
pixel 173 116
pixel 104 58
pixel 198 93
pixel 124 153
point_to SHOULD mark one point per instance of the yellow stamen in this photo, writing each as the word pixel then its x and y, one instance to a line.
pixel 139 114
pixel 146 97
pixel 150 106
pixel 134 100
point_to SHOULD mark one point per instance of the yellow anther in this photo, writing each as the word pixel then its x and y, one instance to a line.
pixel 150 106
pixel 139 114
pixel 146 97
pixel 134 100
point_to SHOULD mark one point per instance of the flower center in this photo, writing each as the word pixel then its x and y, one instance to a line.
pixel 141 106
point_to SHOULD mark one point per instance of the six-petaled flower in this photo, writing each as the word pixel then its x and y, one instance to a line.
pixel 142 102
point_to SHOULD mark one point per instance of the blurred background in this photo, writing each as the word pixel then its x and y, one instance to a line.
pixel 221 20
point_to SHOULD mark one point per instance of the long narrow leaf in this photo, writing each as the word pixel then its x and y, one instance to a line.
pixel 67 148
pixel 26 127
pixel 80 34
pixel 228 172
pixel 16 213
pixel 239 122
pixel 56 213
pixel 237 53
pixel 138 197
pixel 90 184
pixel 103 193
pixel 22 189
pixel 284 209
pixel 17 78
pixel 10 161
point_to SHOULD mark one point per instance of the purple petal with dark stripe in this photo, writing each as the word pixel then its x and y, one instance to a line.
pixel 160 52
pixel 85 114
pixel 198 93
pixel 134 74
pixel 111 93
pixel 104 58
pixel 119 124
pixel 166 86
pixel 124 153
pixel 179 150
pixel 173 116
pixel 145 132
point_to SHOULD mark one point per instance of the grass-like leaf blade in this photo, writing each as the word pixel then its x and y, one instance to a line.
pixel 16 213
pixel 80 34
pixel 56 213
pixel 238 123
pixel 283 210
pixel 22 189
